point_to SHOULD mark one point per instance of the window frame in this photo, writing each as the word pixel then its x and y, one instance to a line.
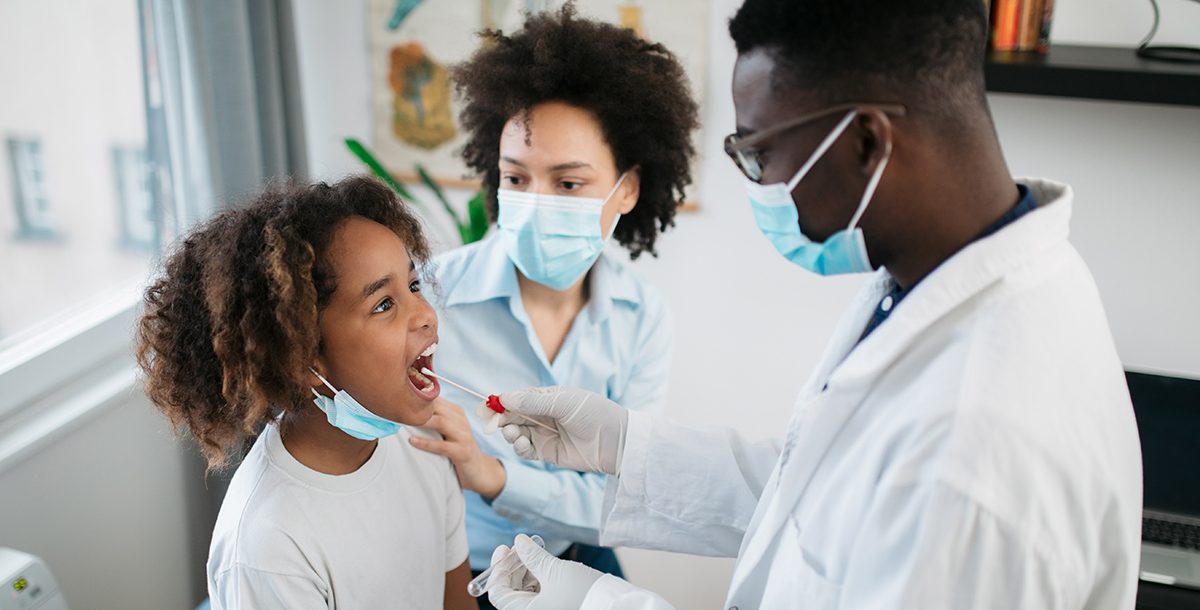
pixel 41 359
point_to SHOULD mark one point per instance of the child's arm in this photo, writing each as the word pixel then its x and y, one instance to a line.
pixel 457 597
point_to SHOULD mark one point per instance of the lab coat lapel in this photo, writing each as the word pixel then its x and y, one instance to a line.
pixel 813 419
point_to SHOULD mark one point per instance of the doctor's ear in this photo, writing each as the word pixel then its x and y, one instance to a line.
pixel 630 190
pixel 874 131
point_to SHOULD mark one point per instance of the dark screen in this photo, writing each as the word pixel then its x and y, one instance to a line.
pixel 1168 416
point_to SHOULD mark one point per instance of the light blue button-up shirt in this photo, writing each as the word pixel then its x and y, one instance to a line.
pixel 619 346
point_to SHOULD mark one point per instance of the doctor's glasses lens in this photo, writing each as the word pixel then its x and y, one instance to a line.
pixel 745 159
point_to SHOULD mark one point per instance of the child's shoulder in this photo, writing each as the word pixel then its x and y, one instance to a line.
pixel 258 520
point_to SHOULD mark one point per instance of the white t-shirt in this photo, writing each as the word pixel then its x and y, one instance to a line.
pixel 383 536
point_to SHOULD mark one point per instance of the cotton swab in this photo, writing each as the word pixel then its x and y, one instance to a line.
pixel 492 402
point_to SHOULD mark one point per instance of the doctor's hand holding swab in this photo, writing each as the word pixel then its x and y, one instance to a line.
pixel 570 428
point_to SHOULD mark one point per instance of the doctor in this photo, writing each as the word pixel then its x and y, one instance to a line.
pixel 967 440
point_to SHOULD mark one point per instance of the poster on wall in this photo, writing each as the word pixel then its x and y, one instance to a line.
pixel 413 44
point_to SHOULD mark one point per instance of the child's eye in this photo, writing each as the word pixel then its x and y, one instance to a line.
pixel 415 286
pixel 383 305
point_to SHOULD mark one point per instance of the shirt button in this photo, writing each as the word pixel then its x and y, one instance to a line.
pixel 887 303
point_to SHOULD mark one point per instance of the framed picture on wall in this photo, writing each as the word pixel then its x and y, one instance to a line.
pixel 413 44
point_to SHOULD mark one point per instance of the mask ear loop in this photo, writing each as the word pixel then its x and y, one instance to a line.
pixel 613 229
pixel 820 151
pixel 874 182
pixel 324 381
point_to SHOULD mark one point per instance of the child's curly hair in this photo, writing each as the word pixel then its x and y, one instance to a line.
pixel 636 89
pixel 230 329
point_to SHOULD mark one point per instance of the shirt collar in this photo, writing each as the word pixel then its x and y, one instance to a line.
pixel 611 282
pixel 491 275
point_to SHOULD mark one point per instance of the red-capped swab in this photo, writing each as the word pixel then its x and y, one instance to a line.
pixel 492 402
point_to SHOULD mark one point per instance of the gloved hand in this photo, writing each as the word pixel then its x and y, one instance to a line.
pixel 589 428
pixel 539 581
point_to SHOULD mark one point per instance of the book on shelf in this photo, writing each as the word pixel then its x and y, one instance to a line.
pixel 1020 25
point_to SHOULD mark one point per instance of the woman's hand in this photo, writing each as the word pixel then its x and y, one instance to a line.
pixel 477 471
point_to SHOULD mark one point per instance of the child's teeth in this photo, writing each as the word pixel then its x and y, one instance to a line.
pixel 422 378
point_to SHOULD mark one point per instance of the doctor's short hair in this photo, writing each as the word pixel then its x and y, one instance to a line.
pixel 230 326
pixel 636 89
pixel 929 53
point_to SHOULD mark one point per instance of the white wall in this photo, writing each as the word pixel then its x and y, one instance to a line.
pixel 749 326
pixel 115 508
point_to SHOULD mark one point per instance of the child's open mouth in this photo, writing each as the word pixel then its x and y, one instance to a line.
pixel 425 387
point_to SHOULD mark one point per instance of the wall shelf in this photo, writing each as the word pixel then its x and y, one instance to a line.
pixel 1094 72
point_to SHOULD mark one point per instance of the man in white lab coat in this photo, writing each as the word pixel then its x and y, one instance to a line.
pixel 966 441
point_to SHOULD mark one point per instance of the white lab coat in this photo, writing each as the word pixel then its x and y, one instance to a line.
pixel 977 450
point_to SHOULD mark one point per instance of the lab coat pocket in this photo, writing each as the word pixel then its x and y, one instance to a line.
pixel 797 576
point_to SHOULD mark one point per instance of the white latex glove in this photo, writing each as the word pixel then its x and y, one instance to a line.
pixel 589 429
pixel 539 581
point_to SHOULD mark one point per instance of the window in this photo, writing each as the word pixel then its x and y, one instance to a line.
pixel 30 198
pixel 131 175
pixel 66 217
pixel 110 136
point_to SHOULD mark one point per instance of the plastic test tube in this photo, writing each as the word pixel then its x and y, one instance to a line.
pixel 478 585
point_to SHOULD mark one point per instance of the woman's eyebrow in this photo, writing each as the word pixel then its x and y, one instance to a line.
pixel 571 165
pixel 557 168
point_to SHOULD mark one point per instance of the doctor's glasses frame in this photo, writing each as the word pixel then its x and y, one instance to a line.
pixel 741 149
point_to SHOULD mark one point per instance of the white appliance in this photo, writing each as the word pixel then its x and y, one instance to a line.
pixel 27 584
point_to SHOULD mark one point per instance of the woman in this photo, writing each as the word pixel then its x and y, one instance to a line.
pixel 581 132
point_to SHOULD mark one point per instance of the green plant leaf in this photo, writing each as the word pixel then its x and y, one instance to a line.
pixel 477 214
pixel 364 155
pixel 440 195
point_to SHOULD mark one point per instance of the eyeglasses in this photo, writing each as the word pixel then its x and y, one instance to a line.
pixel 741 149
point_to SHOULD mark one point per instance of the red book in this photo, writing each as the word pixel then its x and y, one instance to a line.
pixel 1006 17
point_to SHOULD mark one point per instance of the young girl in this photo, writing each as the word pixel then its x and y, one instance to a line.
pixel 299 317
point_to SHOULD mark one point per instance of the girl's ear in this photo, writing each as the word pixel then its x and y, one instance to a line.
pixel 316 372
pixel 630 190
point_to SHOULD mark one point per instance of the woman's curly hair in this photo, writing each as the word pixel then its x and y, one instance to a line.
pixel 636 89
pixel 230 329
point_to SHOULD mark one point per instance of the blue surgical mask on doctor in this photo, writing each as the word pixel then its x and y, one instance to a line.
pixel 553 239
pixel 775 213
pixel 347 415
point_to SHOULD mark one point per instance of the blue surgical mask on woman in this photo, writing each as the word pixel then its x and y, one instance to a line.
pixel 776 216
pixel 347 415
pixel 553 239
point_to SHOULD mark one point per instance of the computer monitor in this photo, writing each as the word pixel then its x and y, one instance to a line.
pixel 1168 417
